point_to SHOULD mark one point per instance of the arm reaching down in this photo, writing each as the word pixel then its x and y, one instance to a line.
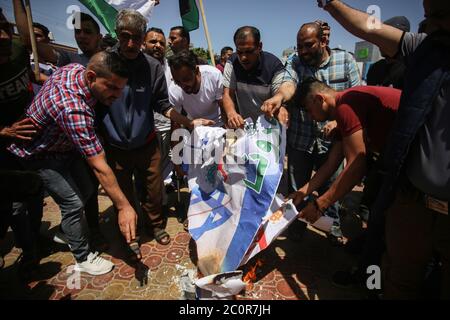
pixel 127 217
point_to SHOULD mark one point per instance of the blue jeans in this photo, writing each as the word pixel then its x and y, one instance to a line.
pixel 69 184
pixel 301 164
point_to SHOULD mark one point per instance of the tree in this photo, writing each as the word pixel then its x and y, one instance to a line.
pixel 202 53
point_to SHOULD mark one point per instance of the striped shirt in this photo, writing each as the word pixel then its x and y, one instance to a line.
pixel 340 72
pixel 64 117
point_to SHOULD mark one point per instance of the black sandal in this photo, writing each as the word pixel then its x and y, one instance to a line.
pixel 186 225
pixel 161 236
pixel 337 241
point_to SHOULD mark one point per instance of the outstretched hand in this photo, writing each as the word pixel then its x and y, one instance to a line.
pixel 272 105
pixel 22 130
pixel 127 219
pixel 235 121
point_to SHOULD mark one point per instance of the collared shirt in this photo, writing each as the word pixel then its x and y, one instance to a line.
pixel 254 87
pixel 340 72
pixel 63 114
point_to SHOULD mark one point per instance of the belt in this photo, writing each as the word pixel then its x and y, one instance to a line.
pixel 436 204
pixel 428 201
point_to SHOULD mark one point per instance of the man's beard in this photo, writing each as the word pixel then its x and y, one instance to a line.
pixel 315 59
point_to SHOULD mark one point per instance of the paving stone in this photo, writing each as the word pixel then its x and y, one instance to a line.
pixel 290 271
pixel 113 292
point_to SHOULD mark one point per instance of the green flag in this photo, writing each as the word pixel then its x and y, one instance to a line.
pixel 189 14
pixel 104 12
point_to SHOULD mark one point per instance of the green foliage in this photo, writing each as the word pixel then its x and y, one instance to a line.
pixel 201 53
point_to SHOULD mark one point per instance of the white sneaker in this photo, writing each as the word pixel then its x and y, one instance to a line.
pixel 60 237
pixel 94 265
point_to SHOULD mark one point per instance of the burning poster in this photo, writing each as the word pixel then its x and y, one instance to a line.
pixel 279 217
pixel 233 178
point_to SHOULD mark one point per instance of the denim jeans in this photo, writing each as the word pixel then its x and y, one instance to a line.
pixel 301 164
pixel 69 184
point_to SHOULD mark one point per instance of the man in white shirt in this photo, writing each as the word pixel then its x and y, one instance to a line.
pixel 197 89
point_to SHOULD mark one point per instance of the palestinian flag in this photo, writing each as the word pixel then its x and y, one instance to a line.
pixel 189 14
pixel 106 10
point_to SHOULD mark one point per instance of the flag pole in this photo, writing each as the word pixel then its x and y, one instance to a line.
pixel 205 25
pixel 37 73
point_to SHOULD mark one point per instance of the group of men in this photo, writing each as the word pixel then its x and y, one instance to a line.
pixel 105 117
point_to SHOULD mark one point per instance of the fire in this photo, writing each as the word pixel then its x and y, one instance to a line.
pixel 251 274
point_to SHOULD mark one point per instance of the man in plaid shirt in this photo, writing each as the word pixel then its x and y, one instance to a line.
pixel 308 144
pixel 63 115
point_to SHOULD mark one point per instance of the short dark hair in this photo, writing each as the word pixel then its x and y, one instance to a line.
pixel 84 17
pixel 109 62
pixel 310 85
pixel 244 32
pixel 184 58
pixel 43 28
pixel 183 33
pixel 157 30
pixel 225 49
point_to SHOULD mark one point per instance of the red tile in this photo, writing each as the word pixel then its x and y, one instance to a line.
pixel 174 254
pixel 153 261
pixel 182 238
pixel 126 272
pixel 285 290
pixel 146 250
pixel 102 281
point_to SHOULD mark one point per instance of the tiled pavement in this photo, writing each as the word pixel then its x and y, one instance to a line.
pixel 289 270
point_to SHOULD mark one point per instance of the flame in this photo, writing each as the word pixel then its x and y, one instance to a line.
pixel 251 274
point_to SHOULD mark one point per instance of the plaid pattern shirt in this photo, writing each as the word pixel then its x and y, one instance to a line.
pixel 340 72
pixel 64 117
